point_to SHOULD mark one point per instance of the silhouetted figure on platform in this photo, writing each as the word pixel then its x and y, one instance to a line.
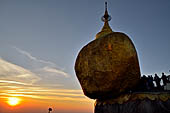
pixel 164 79
pixel 157 80
pixel 150 82
pixel 168 78
pixel 146 83
pixel 143 83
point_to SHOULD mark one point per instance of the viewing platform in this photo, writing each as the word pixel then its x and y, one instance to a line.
pixel 136 102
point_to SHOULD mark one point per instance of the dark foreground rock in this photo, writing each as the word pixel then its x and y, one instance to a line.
pixel 135 103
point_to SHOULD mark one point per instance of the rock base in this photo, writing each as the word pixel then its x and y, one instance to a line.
pixel 135 103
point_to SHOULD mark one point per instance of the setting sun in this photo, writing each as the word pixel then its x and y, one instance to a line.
pixel 13 101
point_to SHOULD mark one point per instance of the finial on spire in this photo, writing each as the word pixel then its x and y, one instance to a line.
pixel 106 16
pixel 105 6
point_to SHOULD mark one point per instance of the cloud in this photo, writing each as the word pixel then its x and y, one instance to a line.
pixel 43 93
pixel 46 67
pixel 45 82
pixel 18 81
pixel 12 82
pixel 27 54
pixel 12 73
pixel 54 71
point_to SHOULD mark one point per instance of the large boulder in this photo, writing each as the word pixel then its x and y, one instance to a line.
pixel 108 66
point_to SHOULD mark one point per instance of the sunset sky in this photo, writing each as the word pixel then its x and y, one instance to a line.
pixel 40 40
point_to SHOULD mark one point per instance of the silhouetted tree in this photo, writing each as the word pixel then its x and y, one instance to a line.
pixel 50 109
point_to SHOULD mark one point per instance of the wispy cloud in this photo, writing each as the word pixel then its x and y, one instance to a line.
pixel 47 82
pixel 27 54
pixel 12 73
pixel 37 92
pixel 48 67
pixel 55 71
pixel 13 82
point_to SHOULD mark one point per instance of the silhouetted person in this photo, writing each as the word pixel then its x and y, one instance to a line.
pixel 168 78
pixel 150 82
pixel 164 79
pixel 157 80
pixel 144 83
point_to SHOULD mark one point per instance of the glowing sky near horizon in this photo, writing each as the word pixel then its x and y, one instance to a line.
pixel 40 39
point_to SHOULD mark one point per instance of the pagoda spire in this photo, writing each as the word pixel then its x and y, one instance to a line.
pixel 106 28
pixel 106 16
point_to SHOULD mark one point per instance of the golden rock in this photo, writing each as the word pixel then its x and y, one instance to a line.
pixel 107 66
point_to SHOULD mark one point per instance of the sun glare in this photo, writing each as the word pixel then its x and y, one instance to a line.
pixel 13 101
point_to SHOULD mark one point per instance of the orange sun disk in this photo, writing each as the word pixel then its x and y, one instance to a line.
pixel 13 101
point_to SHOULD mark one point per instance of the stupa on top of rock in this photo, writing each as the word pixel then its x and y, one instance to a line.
pixel 107 66
pixel 108 71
